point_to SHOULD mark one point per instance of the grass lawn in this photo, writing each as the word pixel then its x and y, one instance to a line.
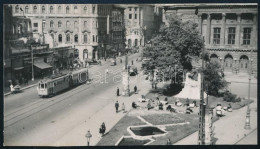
pixel 176 133
pixel 119 130
pixel 159 119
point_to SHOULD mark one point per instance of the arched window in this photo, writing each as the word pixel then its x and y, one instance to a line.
pixel 76 24
pixel 67 10
pixel 76 38
pixel 59 24
pixel 85 23
pixel 68 38
pixel 26 9
pixel 51 10
pixel 60 38
pixel 34 9
pixel 43 9
pixel 59 9
pixel 85 9
pixel 16 9
pixel 75 9
pixel 67 24
pixel 51 23
pixel 85 38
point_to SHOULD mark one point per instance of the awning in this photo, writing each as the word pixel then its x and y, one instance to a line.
pixel 18 68
pixel 42 65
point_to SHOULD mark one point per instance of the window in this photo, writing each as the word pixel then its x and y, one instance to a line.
pixel 51 24
pixel 231 35
pixel 85 9
pixel 135 8
pixel 59 9
pixel 26 9
pixel 59 24
pixel 216 36
pixel 51 10
pixel 34 9
pixel 35 24
pixel 93 38
pixel 43 9
pixel 68 38
pixel 76 24
pixel 85 23
pixel 130 9
pixel 85 38
pixel 67 10
pixel 75 9
pixel 135 16
pixel 67 24
pixel 16 9
pixel 247 36
pixel 94 9
pixel 60 38
pixel 43 24
pixel 130 16
pixel 76 38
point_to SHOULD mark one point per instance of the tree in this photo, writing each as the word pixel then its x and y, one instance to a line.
pixel 213 79
pixel 174 45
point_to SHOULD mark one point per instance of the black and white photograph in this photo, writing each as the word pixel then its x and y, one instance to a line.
pixel 136 74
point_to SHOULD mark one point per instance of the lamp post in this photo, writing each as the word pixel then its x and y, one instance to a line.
pixel 32 63
pixel 247 123
pixel 235 65
pixel 88 136
pixel 221 63
pixel 43 22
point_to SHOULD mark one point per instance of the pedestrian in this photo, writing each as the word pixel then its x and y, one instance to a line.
pixel 123 107
pixel 116 105
pixel 132 62
pixel 168 142
pixel 135 89
pixel 102 129
pixel 106 71
pixel 117 91
pixel 100 62
pixel 166 99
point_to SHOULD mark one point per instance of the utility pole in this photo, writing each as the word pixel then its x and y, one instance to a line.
pixel 202 112
pixel 32 63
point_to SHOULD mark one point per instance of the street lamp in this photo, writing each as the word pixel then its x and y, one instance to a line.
pixel 88 136
pixel 221 63
pixel 247 124
pixel 43 22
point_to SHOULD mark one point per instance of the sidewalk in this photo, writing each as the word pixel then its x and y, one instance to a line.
pixel 240 78
pixel 76 137
pixel 228 129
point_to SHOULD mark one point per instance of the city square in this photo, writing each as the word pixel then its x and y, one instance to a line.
pixel 130 74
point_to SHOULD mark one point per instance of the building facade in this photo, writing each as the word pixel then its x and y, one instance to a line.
pixel 229 31
pixel 82 26
pixel 140 24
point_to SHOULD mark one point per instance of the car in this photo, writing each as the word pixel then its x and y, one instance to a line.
pixel 132 70
pixel 113 62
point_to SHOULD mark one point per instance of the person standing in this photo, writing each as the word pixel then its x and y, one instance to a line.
pixel 123 107
pixel 132 62
pixel 117 106
pixel 169 142
pixel 135 89
pixel 117 91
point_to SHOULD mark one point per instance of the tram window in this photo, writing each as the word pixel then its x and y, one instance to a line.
pixel 42 85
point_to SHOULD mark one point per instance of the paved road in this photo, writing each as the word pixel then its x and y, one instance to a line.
pixel 33 121
pixel 250 139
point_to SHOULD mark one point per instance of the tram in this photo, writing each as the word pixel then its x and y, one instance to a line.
pixel 51 86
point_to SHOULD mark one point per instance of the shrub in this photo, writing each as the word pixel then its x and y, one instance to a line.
pixel 229 97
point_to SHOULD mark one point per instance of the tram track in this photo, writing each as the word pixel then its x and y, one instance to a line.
pixel 23 112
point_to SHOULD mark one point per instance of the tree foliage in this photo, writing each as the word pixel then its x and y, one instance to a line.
pixel 213 79
pixel 174 44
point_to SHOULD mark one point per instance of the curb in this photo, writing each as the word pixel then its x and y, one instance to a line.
pixel 30 86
